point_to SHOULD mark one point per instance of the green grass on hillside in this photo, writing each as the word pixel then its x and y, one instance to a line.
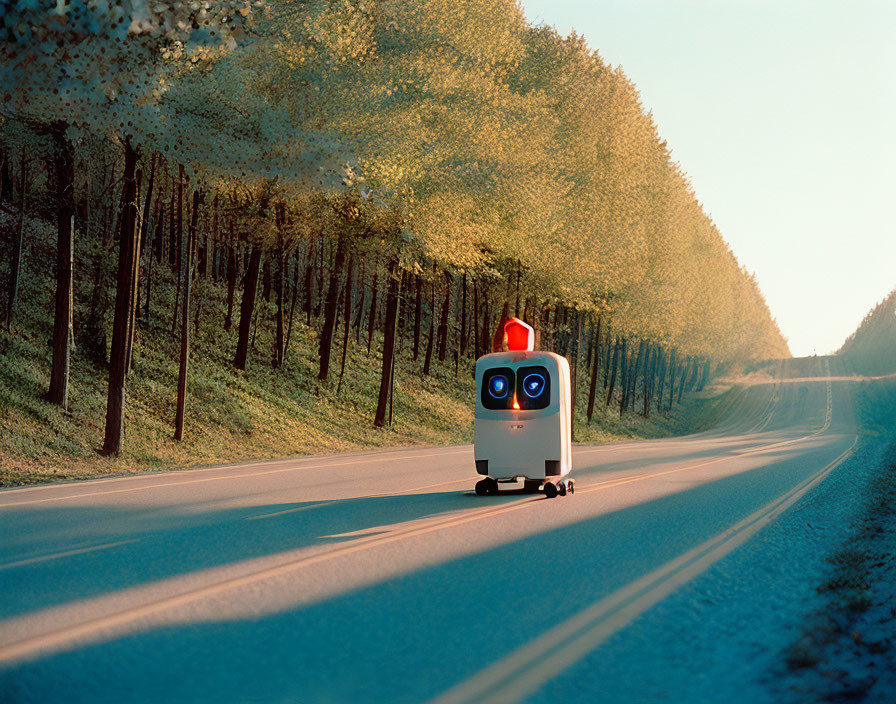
pixel 231 416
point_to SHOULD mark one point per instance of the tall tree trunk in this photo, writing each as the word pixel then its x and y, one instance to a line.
pixel 201 251
pixel 388 346
pixel 179 225
pixel 704 377
pixel 673 365
pixel 6 186
pixel 418 313
pixel 633 376
pixel 348 317
pixel 608 355
pixel 463 314
pixel 359 315
pixel 595 369
pixel 292 302
pixel 144 233
pixel 279 274
pixel 661 381
pixel 187 268
pixel 178 239
pixel 143 224
pixel 320 281
pixel 159 244
pixel 475 318
pixel 154 254
pixel 309 282
pixel 486 337
pixel 135 282
pixel 16 264
pixel 689 363
pixel 172 229
pixel 649 370
pixel 93 337
pixel 442 339
pixel 266 280
pixel 371 319
pixel 247 307
pixel 574 381
pixel 65 213
pixel 231 278
pixel 432 329
pixel 126 254
pixel 625 360
pixel 614 366
pixel 330 311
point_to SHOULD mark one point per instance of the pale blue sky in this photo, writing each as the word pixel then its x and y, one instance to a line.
pixel 782 112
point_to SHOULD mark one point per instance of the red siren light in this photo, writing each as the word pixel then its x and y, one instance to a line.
pixel 520 336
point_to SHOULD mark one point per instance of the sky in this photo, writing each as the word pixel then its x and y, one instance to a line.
pixel 782 112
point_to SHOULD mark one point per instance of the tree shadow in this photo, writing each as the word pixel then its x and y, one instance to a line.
pixel 148 545
pixel 125 547
pixel 412 636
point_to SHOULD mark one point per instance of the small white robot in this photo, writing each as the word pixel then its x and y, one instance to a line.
pixel 523 430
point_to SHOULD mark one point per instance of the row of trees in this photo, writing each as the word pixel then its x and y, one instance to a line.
pixel 422 169
pixel 871 349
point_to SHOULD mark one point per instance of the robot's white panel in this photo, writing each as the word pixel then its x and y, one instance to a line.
pixel 522 419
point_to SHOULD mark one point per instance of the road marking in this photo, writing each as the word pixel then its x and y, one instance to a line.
pixel 66 553
pixel 30 646
pixel 214 479
pixel 450 449
pixel 772 404
pixel 526 669
pixel 416 488
pixel 355 498
pixel 288 510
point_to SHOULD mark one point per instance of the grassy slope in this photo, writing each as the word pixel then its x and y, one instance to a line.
pixel 231 416
pixel 845 649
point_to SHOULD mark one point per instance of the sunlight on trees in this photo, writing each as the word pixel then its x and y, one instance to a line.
pixel 383 158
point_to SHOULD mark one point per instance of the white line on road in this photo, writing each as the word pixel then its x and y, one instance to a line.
pixel 529 667
pixel 214 479
pixel 65 553
pixel 451 449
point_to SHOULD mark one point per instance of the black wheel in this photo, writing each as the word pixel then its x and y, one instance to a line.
pixel 572 486
pixel 491 486
pixel 550 490
pixel 562 489
pixel 482 487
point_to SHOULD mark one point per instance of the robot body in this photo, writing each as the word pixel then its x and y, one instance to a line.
pixel 523 423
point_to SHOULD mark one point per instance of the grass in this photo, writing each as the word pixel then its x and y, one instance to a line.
pixel 844 640
pixel 231 415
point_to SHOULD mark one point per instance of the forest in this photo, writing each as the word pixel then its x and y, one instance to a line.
pixel 388 177
pixel 871 349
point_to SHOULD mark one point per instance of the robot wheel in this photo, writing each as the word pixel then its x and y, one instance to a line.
pixel 561 488
pixel 486 487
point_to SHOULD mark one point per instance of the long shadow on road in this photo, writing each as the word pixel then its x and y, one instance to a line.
pixel 152 544
pixel 409 637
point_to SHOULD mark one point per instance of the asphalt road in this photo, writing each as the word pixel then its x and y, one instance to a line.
pixel 381 577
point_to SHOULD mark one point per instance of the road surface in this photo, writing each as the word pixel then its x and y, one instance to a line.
pixel 381 577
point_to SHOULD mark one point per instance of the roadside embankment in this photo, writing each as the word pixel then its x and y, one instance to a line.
pixel 846 650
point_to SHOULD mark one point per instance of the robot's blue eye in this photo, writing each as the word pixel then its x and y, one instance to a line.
pixel 499 386
pixel 533 385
